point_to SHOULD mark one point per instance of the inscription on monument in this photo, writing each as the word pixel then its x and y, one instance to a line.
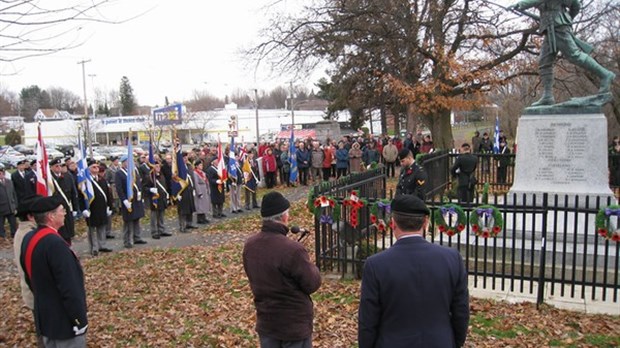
pixel 559 145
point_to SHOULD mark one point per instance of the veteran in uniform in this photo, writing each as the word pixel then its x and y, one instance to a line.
pixel 412 180
pixel 464 169
pixel 66 189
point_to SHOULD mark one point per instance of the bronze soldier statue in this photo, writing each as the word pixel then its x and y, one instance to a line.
pixel 556 18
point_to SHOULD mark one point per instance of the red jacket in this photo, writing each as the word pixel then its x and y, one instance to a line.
pixel 328 157
pixel 269 163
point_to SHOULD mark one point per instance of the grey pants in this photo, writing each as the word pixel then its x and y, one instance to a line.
pixel 131 232
pixel 268 342
pixel 157 222
pixel 235 198
pixel 96 237
pixel 108 227
pixel 75 342
pixel 184 221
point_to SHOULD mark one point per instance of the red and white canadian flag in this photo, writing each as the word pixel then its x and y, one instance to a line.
pixel 221 164
pixel 44 185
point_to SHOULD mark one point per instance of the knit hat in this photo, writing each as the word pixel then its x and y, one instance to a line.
pixel 273 204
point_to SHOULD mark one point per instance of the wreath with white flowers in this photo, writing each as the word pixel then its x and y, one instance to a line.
pixel 604 227
pixel 321 205
pixel 442 225
pixel 486 221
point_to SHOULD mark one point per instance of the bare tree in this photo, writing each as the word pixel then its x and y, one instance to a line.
pixel 64 99
pixel 430 56
pixel 35 28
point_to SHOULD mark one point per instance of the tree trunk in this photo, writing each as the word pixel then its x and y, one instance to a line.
pixel 441 129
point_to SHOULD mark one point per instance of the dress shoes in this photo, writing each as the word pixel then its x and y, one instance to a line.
pixel 128 246
pixel 139 242
pixel 94 253
pixel 239 211
pixel 166 234
pixel 222 215
pixel 105 250
pixel 109 236
pixel 191 227
pixel 155 237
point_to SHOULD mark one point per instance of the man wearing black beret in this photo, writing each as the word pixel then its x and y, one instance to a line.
pixel 23 187
pixel 412 179
pixel 415 293
pixel 57 282
pixel 66 189
pixel 282 278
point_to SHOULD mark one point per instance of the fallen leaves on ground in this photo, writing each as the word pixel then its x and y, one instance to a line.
pixel 199 296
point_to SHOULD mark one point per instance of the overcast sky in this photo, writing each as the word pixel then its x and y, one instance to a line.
pixel 174 48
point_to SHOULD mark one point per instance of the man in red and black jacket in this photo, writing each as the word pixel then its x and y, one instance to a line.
pixel 54 274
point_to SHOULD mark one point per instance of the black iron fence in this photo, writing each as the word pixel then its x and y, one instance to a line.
pixel 498 170
pixel 543 246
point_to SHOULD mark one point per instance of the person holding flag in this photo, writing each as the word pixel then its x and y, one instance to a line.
pixel 496 136
pixel 235 179
pixel 250 172
pixel 292 152
pixel 64 187
pixel 96 209
pixel 128 184
pixel 202 199
pixel 157 198
pixel 183 189
pixel 217 188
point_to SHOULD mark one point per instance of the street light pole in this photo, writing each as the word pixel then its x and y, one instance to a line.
pixel 86 116
pixel 256 110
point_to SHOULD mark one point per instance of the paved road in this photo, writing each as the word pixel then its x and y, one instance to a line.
pixel 80 244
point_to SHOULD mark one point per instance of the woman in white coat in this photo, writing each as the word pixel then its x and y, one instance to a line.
pixel 202 200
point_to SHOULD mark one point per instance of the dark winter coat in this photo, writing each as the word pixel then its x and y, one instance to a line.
pixel 342 158
pixel 303 158
pixel 137 205
pixel 8 198
pixel 282 277
pixel 162 191
pixel 99 206
pixel 66 184
pixel 218 191
pixel 57 285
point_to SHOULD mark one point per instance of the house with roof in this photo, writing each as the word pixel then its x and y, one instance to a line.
pixel 52 114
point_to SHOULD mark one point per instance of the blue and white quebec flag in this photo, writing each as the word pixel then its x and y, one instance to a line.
pixel 84 179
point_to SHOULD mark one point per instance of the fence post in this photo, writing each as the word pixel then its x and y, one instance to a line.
pixel 543 253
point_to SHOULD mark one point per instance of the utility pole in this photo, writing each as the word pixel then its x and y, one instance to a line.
pixel 292 106
pixel 86 116
pixel 256 110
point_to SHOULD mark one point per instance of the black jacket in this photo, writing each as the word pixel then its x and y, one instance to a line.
pixel 465 165
pixel 58 286
pixel 24 187
pixel 412 181
pixel 99 206
pixel 67 185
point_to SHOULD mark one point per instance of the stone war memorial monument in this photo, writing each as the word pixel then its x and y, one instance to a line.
pixel 563 147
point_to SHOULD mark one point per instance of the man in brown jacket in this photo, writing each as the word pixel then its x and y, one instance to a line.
pixel 282 278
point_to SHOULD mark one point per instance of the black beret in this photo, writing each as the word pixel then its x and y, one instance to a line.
pixel 113 158
pixel 403 153
pixel 24 206
pixel 22 161
pixel 56 161
pixel 45 204
pixel 102 166
pixel 90 162
pixel 273 204
pixel 409 204
pixel 33 162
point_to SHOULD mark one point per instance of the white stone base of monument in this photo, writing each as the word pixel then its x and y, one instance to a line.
pixel 563 154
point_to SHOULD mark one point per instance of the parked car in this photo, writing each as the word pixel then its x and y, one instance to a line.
pixel 23 149
pixel 67 150
pixel 96 155
pixel 53 153
pixel 9 156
